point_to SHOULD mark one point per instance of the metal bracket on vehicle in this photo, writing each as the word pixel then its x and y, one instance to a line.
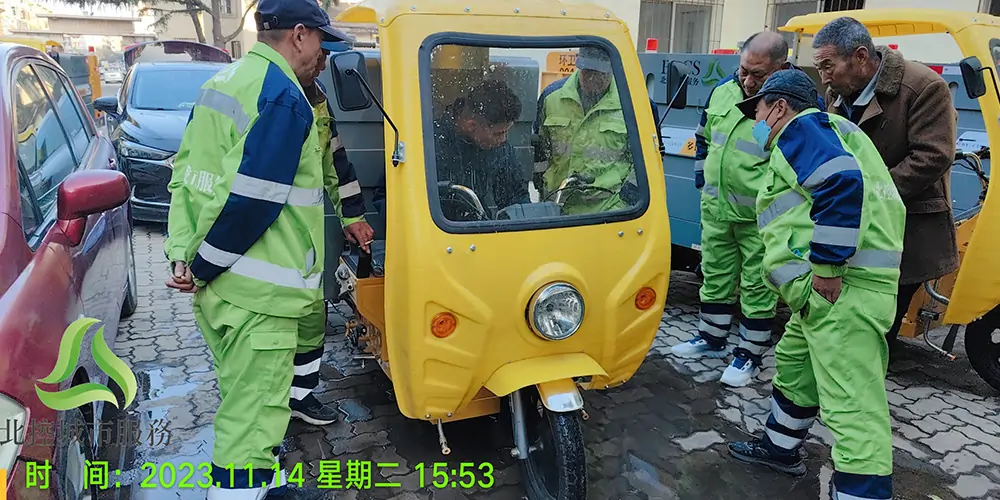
pixel 520 431
pixel 929 316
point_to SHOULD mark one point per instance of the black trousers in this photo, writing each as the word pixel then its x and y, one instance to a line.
pixel 904 295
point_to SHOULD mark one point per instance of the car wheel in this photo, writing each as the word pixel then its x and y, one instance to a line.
pixel 75 447
pixel 131 301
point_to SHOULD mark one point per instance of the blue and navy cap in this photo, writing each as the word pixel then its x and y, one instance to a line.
pixel 792 83
pixel 285 14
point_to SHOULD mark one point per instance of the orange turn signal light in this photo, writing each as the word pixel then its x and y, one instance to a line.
pixel 443 324
pixel 645 298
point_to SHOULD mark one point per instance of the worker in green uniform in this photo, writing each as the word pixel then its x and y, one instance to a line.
pixel 581 134
pixel 832 223
pixel 344 190
pixel 729 170
pixel 246 234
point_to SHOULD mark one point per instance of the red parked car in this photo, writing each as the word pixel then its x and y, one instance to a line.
pixel 65 252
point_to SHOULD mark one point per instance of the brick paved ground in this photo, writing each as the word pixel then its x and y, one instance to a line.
pixel 660 436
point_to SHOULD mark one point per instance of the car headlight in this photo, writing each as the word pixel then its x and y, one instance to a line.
pixel 556 311
pixel 16 418
pixel 137 151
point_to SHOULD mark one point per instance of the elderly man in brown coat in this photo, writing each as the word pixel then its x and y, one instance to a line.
pixel 907 111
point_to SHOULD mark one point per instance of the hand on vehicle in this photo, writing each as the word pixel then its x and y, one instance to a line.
pixel 360 233
pixel 182 279
pixel 829 288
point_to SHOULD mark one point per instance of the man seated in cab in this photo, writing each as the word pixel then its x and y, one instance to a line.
pixel 471 147
pixel 581 132
pixel 829 215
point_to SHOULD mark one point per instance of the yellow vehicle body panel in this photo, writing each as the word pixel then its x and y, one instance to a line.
pixel 977 283
pixel 487 280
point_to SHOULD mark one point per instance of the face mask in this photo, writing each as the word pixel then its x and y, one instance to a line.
pixel 761 131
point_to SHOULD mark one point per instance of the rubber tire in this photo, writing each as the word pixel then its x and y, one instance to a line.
pixel 571 458
pixel 72 419
pixel 131 301
pixel 984 354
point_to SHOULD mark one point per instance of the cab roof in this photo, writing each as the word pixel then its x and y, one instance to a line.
pixel 895 22
pixel 382 12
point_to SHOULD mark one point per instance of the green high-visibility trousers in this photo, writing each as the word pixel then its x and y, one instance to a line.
pixel 732 255
pixel 253 356
pixel 309 351
pixel 832 359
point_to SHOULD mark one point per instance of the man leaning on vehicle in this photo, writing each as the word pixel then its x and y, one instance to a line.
pixel 250 245
pixel 907 111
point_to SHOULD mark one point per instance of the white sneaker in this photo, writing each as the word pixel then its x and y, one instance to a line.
pixel 697 348
pixel 739 372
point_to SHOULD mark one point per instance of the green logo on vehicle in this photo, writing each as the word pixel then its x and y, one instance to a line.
pixel 69 355
pixel 714 74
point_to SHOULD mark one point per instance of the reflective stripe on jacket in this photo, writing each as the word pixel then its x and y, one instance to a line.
pixel 340 178
pixel 246 207
pixel 828 207
pixel 734 165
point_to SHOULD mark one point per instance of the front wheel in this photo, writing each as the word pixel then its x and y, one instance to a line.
pixel 556 467
pixel 982 344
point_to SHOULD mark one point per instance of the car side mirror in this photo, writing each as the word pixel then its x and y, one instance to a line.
pixel 677 84
pixel 88 192
pixel 349 76
pixel 972 76
pixel 107 104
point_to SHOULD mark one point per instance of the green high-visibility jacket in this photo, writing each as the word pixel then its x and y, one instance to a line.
pixel 593 142
pixel 246 208
pixel 828 207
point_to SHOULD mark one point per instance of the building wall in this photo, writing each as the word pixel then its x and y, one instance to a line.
pixel 180 27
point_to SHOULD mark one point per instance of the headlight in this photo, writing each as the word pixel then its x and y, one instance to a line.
pixel 16 418
pixel 556 311
pixel 135 150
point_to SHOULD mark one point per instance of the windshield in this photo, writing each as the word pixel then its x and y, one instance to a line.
pixel 170 89
pixel 524 137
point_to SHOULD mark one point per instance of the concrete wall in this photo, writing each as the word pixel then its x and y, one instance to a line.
pixel 740 19
pixel 926 48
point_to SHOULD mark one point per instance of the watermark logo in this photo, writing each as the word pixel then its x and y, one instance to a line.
pixel 69 355
pixel 714 74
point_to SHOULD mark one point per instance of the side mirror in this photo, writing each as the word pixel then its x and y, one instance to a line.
pixel 88 192
pixel 349 75
pixel 107 104
pixel 972 76
pixel 677 84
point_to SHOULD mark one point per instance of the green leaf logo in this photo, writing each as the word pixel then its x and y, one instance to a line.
pixel 714 75
pixel 69 355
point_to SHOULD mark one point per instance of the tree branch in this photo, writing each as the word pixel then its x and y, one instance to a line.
pixel 239 29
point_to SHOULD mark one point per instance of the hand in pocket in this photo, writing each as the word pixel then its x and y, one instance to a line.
pixel 828 288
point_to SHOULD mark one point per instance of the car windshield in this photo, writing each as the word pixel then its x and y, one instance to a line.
pixel 528 136
pixel 169 89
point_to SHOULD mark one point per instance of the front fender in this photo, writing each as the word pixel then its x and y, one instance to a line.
pixel 556 368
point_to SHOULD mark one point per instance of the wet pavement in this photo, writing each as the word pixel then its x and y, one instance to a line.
pixel 660 436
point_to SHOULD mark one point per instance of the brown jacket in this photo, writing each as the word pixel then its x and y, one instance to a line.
pixel 913 123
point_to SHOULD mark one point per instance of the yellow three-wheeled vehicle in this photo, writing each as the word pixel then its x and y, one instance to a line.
pixel 971 295
pixel 524 258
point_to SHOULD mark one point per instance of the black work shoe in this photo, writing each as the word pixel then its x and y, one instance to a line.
pixel 756 452
pixel 311 410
